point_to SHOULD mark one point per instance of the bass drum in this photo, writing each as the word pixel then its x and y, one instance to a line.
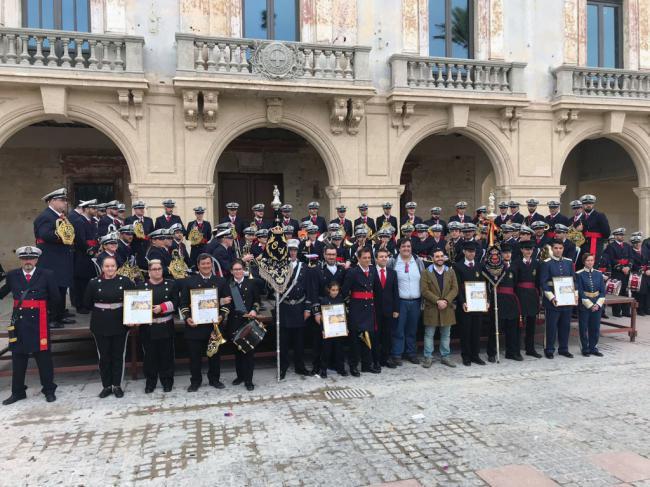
pixel 249 336
pixel 613 287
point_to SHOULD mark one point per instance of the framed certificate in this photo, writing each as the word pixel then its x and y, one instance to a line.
pixel 204 304
pixel 476 296
pixel 138 306
pixel 564 291
pixel 333 319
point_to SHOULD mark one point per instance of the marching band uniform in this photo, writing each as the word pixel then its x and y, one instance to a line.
pixel 526 277
pixel 436 220
pixel 621 255
pixel 515 216
pixel 595 228
pixel 412 219
pixel 85 244
pixel 165 221
pixel 381 219
pixel 198 336
pixel 138 245
pixel 423 248
pixel 205 228
pixel 509 312
pixel 365 220
pixel 160 253
pixel 503 217
pixel 105 297
pixel 591 291
pixel 108 223
pixel 558 318
pixel 331 346
pixel 533 216
pixel 29 332
pixel 56 256
pixel 245 298
pixel 317 220
pixel 552 219
pixel 158 336
pixel 224 255
pixel 641 265
pixel 235 219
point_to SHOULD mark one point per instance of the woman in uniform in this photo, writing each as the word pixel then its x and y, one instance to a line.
pixel 105 298
pixel 158 337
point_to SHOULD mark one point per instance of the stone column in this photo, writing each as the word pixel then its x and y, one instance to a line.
pixel 11 14
pixel 644 208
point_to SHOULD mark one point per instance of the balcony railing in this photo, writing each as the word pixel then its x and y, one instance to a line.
pixel 456 74
pixel 273 60
pixel 71 50
pixel 598 82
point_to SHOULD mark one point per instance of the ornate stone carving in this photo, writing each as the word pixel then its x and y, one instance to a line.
pixel 355 115
pixel 190 108
pixel 338 114
pixel 564 120
pixel 509 118
pixel 123 99
pixel 275 60
pixel 137 96
pixel 401 114
pixel 274 110
pixel 210 107
pixel 126 97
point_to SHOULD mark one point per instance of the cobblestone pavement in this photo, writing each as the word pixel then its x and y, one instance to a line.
pixel 438 426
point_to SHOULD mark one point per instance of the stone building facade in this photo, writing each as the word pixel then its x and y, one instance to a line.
pixel 172 98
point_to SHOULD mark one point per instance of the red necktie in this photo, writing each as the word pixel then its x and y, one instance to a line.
pixel 471 265
pixel 28 277
pixel 366 273
pixel 168 217
pixel 342 221
pixel 116 221
pixel 365 219
pixel 313 219
pixel 382 278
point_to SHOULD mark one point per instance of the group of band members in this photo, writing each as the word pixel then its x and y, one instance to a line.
pixel 390 283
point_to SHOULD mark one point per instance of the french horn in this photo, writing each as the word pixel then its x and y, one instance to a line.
pixel 195 236
pixel 177 267
pixel 576 236
pixel 138 230
pixel 65 231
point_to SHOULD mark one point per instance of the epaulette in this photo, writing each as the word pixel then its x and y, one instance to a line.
pixel 581 270
pixel 566 258
pixel 547 260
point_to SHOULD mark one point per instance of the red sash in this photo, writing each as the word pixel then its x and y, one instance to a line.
pixel 510 291
pixel 593 240
pixel 362 295
pixel 41 305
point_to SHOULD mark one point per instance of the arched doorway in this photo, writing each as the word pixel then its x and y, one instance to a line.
pixel 603 168
pixel 45 156
pixel 253 162
pixel 443 169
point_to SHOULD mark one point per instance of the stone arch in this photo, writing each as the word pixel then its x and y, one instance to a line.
pixel 22 117
pixel 320 140
pixel 484 138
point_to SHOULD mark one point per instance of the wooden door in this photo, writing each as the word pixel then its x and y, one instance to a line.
pixel 248 189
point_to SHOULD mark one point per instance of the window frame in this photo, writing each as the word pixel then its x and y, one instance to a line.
pixel 618 48
pixel 57 10
pixel 270 14
pixel 448 31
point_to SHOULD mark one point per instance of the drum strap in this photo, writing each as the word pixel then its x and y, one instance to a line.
pixel 237 298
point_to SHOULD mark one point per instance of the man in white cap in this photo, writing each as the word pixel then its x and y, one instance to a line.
pixel 621 255
pixel 139 244
pixel 204 228
pixel 387 217
pixel 314 217
pixel 410 216
pixel 232 217
pixel 595 227
pixel 167 219
pixel 57 256
pixel 364 219
pixel 110 221
pixel 85 248
pixel 33 289
pixel 460 216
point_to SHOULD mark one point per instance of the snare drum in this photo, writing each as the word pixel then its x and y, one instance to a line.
pixel 634 284
pixel 249 336
pixel 613 287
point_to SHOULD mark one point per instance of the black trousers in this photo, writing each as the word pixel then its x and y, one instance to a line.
pixel 294 337
pixel 617 309
pixel 78 291
pixel 531 324
pixel 318 359
pixel 58 311
pixel 158 360
pixel 111 350
pixel 384 335
pixel 335 347
pixel 359 350
pixel 197 350
pixel 470 334
pixel 245 365
pixel 510 328
pixel 45 372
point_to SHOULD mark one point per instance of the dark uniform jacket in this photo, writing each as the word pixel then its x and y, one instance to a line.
pixel 250 295
pixel 239 223
pixel 197 281
pixel 437 221
pixel 30 331
pixel 517 218
pixel 595 224
pixel 124 250
pixel 424 248
pixel 321 277
pixel 161 254
pixel 297 299
pixel 391 219
pixel 549 269
pixel 591 289
pixel 225 256
pixel 387 297
pixel 165 294
pixel 140 246
pixel 416 220
pixel 346 226
pixel 105 292
pixel 293 222
pixel 465 274
pixel 369 221
pixel 527 284
pixel 105 223
pixel 535 217
pixel 206 230
pixel 319 221
pixel 558 218
pixel 506 295
pixel 162 222
pixel 56 256
pixel 501 220
pixel 182 251
pixel 85 242
pixel 360 290
pixel 315 247
pixel 456 218
pixel 390 247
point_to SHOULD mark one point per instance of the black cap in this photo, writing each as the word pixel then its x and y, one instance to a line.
pixel 526 244
pixel 470 245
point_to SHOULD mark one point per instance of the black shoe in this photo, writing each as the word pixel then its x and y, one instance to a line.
pixel 193 388
pixel 323 374
pixel 119 393
pixel 627 315
pixel 585 354
pixel 67 314
pixel 12 399
pixel 596 353
pixel 467 363
pixel 479 361
pixel 354 372
pixel 566 354
pixel 83 311
pixel 390 364
pixel 605 315
pixel 535 354
pixel 56 324
pixel 548 354
pixel 237 381
pixel 492 358
pixel 217 384
pixel 617 315
pixel 283 374
pixel 315 371
pixel 67 321
pixel 106 391
pixel 342 372
pixel 250 387
pixel 148 390
pixel 518 358
pixel 167 388
pixel 304 372
pixel 414 359
pixel 50 397
pixel 371 369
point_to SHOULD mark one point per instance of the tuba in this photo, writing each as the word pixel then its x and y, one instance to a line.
pixel 65 231
pixel 138 230
pixel 177 267
pixel 576 236
pixel 195 236
pixel 216 340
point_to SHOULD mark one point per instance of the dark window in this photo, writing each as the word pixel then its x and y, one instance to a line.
pixel 450 29
pixel 604 34
pixel 271 19
pixel 71 15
